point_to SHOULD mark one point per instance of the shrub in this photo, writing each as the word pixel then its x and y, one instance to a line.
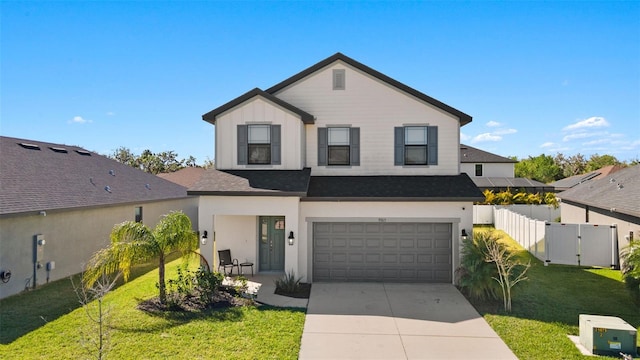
pixel 631 268
pixel 475 276
pixel 288 283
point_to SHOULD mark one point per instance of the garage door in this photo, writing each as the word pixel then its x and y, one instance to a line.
pixel 407 252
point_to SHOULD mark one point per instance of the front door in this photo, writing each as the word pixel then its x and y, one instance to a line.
pixel 271 238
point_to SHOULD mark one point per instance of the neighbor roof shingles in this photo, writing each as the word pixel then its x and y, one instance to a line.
pixel 252 182
pixel 469 154
pixel 619 191
pixel 35 180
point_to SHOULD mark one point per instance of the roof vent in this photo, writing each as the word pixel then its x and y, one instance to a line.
pixel 83 152
pixel 29 146
pixel 612 180
pixel 147 186
pixel 107 188
pixel 112 172
pixel 91 181
pixel 620 186
pixel 58 149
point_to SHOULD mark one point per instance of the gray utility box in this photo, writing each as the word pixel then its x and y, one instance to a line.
pixel 607 335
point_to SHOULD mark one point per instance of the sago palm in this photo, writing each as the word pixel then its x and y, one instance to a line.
pixel 134 243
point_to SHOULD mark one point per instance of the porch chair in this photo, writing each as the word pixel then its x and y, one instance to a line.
pixel 227 262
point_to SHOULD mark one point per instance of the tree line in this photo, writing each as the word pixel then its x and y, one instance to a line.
pixel 547 168
pixel 155 163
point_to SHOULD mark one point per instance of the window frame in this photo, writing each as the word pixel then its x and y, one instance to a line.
pixel 479 167
pixel 246 147
pixel 138 214
pixel 352 148
pixel 346 145
pixel 401 146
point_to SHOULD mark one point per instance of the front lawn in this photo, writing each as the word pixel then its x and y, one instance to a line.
pixel 47 323
pixel 546 307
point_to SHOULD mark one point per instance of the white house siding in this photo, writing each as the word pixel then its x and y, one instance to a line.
pixel 234 221
pixel 489 169
pixel 376 108
pixel 259 111
pixel 575 214
pixel 459 214
pixel 71 236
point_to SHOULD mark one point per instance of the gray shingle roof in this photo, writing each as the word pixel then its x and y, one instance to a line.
pixel 49 176
pixel 252 182
pixel 619 191
pixel 406 188
pixel 186 177
pixel 469 154
pixel 506 182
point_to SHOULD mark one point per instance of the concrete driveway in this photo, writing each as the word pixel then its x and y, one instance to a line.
pixel 395 321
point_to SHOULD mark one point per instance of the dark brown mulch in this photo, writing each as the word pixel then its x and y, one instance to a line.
pixel 303 293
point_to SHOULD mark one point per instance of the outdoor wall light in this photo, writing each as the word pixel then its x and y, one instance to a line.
pixel 291 237
pixel 464 234
pixel 203 240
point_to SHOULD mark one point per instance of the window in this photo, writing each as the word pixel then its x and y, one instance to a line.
pixel 478 169
pixel 259 144
pixel 416 145
pixel 339 79
pixel 139 214
pixel 338 146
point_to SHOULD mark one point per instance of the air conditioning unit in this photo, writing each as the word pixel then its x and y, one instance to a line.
pixel 607 335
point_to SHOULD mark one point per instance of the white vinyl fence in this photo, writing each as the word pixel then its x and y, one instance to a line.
pixel 556 243
pixel 483 214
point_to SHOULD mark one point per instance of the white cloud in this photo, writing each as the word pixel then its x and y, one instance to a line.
pixel 110 113
pixel 547 144
pixel 565 82
pixel 79 120
pixel 592 122
pixel 505 131
pixel 486 137
pixel 464 137
pixel 493 123
pixel 581 135
pixel 596 142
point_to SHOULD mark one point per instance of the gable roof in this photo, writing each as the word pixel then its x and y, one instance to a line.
pixel 464 118
pixel 186 177
pixel 469 154
pixel 509 182
pixel 36 176
pixel 618 192
pixel 210 117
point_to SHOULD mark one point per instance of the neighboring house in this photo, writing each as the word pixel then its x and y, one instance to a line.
pixel 58 204
pixel 186 177
pixel 571 181
pixel 338 173
pixel 613 199
pixel 494 172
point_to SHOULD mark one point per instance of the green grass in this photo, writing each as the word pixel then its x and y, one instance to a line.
pixel 48 322
pixel 546 307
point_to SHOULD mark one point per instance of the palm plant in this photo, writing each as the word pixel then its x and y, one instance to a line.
pixel 134 243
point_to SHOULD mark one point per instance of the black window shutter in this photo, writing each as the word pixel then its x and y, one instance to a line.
pixel 322 146
pixel 398 146
pixel 354 143
pixel 432 145
pixel 276 148
pixel 243 134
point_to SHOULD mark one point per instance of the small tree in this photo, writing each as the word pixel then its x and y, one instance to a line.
pixel 97 339
pixel 510 271
pixel 631 268
pixel 134 243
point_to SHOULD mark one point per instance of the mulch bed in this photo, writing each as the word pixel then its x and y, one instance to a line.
pixel 303 293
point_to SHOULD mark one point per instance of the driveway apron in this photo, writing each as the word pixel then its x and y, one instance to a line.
pixel 396 321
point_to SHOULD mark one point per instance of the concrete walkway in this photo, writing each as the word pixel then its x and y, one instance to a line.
pixel 263 286
pixel 396 321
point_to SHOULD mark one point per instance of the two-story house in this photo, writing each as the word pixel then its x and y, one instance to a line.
pixel 338 173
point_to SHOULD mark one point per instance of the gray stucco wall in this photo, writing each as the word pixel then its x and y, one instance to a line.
pixel 71 236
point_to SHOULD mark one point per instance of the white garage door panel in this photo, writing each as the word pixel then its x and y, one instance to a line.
pixel 407 252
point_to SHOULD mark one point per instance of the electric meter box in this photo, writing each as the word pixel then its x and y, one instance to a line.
pixel 607 335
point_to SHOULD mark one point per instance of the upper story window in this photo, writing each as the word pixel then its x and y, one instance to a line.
pixel 416 145
pixel 338 146
pixel 478 169
pixel 259 144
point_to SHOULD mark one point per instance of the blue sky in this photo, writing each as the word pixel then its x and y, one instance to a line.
pixel 537 77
